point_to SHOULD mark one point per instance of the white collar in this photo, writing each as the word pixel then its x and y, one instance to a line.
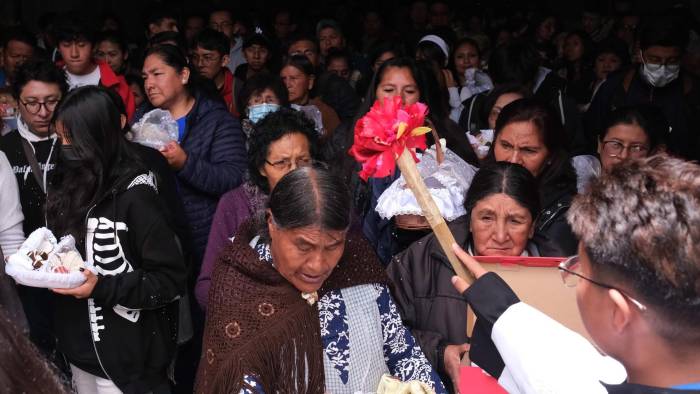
pixel 25 133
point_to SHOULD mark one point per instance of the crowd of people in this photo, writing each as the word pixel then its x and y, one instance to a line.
pixel 247 255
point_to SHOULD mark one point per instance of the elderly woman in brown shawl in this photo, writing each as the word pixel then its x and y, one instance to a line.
pixel 299 302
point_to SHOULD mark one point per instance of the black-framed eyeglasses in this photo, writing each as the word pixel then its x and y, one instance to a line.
pixel 33 107
pixel 570 275
pixel 615 149
pixel 287 164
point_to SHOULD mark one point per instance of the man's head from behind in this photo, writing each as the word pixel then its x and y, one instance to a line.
pixel 639 231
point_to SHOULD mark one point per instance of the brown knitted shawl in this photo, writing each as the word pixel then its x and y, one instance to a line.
pixel 259 325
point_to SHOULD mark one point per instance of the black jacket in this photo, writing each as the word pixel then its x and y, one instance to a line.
pixel 428 303
pixel 553 234
pixel 126 331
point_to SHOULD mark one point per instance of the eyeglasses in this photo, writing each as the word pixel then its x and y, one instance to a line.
pixel 570 275
pixel 615 149
pixel 286 164
pixel 33 107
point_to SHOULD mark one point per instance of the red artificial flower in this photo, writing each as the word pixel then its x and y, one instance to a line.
pixel 382 135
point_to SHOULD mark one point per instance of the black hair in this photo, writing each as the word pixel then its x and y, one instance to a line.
pixel 257 84
pixel 336 53
pixel 167 38
pixel 559 170
pixel 19 35
pixel 270 129
pixel 222 9
pixel 257 39
pixel 72 28
pixel 136 79
pixel 301 63
pixel 616 47
pixel 383 47
pixel 39 70
pixel 648 117
pixel 664 31
pixel 303 37
pixel 517 62
pixel 430 94
pixel 158 13
pixel 499 91
pixel 176 58
pixel 311 196
pixel 92 123
pixel 212 40
pixel 431 52
pixel 115 37
pixel 511 179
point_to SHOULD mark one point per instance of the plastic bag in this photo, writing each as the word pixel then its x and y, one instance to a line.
pixel 35 262
pixel 155 129
pixel 481 142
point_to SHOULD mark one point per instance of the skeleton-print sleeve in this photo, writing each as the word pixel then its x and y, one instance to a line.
pixel 153 272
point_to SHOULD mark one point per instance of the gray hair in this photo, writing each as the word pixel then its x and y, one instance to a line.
pixel 640 226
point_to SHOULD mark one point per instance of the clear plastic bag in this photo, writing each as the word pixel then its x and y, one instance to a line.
pixel 155 129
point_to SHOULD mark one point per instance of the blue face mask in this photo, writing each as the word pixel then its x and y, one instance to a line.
pixel 257 112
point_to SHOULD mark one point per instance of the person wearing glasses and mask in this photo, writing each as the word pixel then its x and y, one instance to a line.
pixel 636 280
pixel 32 150
pixel 280 142
pixel 657 80
pixel 631 133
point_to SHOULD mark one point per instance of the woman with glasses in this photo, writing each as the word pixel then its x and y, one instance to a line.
pixel 502 204
pixel 632 132
pixel 280 142
pixel 636 278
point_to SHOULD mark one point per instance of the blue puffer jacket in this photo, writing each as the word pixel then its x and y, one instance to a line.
pixel 216 163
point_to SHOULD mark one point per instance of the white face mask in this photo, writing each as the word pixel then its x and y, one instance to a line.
pixel 659 75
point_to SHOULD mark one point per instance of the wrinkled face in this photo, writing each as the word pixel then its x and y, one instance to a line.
pixel 139 97
pixel 165 24
pixel 298 84
pixel 306 256
pixel 466 56
pixel 221 21
pixel 163 84
pixel 388 55
pixel 193 26
pixel 501 102
pixel 605 63
pixel 285 155
pixel 521 143
pixel 306 48
pixel 256 56
pixel 546 29
pixel 35 114
pixel 330 38
pixel 620 143
pixel 339 67
pixel 500 226
pixel 267 96
pixel 398 81
pixel 78 56
pixel 573 48
pixel 15 53
pixel 111 53
pixel 209 63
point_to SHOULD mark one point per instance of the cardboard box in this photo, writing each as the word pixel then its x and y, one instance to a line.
pixel 537 282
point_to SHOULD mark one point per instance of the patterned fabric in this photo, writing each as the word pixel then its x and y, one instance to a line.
pixel 404 358
pixel 145 179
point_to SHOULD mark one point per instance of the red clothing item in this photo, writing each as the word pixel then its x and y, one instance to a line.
pixel 226 92
pixel 118 83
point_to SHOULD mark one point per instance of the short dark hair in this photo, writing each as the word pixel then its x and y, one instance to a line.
pixel 20 35
pixel 115 37
pixel 41 70
pixel 157 13
pixel 212 40
pixel 639 226
pixel 336 53
pixel 72 28
pixel 257 84
pixel 270 129
pixel 517 62
pixel 301 63
pixel 311 196
pixel 166 37
pixel 257 39
pixel 648 117
pixel 548 124
pixel 510 179
pixel 664 31
pixel 303 37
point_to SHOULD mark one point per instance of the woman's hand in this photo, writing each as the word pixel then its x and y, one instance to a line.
pixel 452 359
pixel 82 291
pixel 175 155
pixel 471 264
pixel 449 79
